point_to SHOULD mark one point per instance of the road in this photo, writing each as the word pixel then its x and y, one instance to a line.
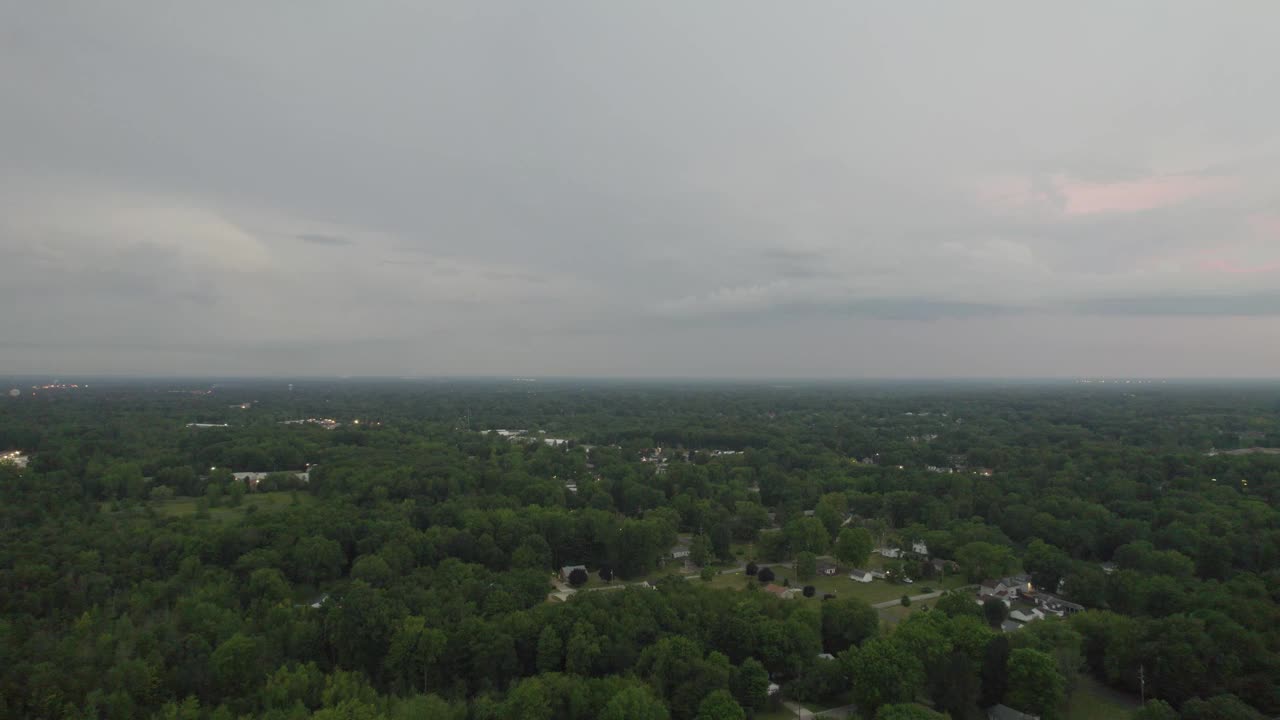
pixel 914 598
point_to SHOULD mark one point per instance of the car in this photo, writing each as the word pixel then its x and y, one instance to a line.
pixel 907 581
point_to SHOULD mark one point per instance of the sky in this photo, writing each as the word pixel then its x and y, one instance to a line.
pixel 726 188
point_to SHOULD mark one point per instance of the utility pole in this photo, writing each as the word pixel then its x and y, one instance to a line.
pixel 1142 682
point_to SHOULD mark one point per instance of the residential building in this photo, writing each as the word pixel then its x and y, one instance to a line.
pixel 862 576
pixel 827 568
pixel 1026 616
pixel 14 457
pixel 567 570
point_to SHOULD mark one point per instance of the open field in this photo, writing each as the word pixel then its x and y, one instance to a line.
pixel 1092 700
pixel 873 592
pixel 182 506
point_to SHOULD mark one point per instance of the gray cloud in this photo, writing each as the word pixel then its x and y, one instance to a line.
pixel 727 188
pixel 320 239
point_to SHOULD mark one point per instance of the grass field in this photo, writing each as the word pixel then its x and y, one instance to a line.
pixel 873 592
pixel 1092 700
pixel 187 506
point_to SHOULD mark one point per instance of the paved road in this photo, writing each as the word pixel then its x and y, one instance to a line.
pixel 926 596
pixel 914 598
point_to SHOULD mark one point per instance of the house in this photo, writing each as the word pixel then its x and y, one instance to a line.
pixel 1056 605
pixel 943 567
pixel 567 570
pixel 680 551
pixel 879 575
pixel 14 457
pixel 827 568
pixel 1010 626
pixel 826 656
pixel 253 478
pixel 319 601
pixel 1026 616
pixel 1004 712
pixel 890 552
pixel 996 589
pixel 778 590
pixel 919 547
pixel 1109 567
pixel 861 576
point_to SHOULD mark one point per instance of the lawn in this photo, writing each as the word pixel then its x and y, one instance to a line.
pixel 873 592
pixel 1092 700
pixel 263 502
pixel 897 613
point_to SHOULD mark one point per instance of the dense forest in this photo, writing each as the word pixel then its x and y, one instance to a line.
pixel 333 550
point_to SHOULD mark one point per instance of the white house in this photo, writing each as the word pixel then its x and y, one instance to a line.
pixel 253 478
pixel 1027 617
pixel 861 576
pixel 918 547
pixel 680 551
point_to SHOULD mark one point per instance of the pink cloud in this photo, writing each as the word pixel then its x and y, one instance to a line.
pixel 1060 193
pixel 1265 227
pixel 1226 266
pixel 1084 198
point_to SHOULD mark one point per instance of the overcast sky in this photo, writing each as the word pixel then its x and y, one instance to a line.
pixel 713 188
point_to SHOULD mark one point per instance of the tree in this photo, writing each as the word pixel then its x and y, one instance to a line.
pixel 905 601
pixel 606 574
pixel 982 560
pixel 995 672
pixel 1035 685
pixel 1156 710
pixel 847 622
pixel 528 700
pixel 807 534
pixel 578 577
pixel 722 542
pixel 854 546
pixel 809 591
pixel 700 550
pixel 707 574
pixel 235 493
pixel 237 665
pixel 634 703
pixel 582 650
pixel 831 511
pixel 752 568
pixel 1047 564
pixel 372 569
pixel 995 612
pixel 806 565
pixel 415 655
pixel 955 687
pixel 956 604
pixel 359 625
pixel 1219 707
pixel 550 652
pixel 765 575
pixel 884 673
pixel 750 683
pixel 720 705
